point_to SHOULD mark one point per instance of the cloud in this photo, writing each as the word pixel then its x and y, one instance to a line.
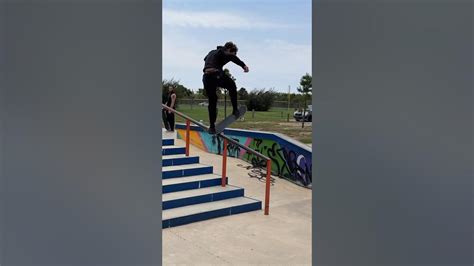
pixel 274 63
pixel 216 20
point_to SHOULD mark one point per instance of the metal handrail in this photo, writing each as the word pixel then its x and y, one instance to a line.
pixel 224 162
pixel 220 134
pixel 185 116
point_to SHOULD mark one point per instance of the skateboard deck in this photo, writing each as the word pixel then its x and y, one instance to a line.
pixel 230 119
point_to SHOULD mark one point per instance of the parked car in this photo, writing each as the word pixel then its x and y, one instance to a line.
pixel 308 114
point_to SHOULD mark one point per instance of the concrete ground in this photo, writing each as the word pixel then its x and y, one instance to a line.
pixel 281 238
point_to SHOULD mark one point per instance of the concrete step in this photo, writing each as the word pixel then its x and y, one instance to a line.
pixel 168 135
pixel 201 195
pixel 190 182
pixel 173 150
pixel 209 210
pixel 167 142
pixel 178 159
pixel 185 170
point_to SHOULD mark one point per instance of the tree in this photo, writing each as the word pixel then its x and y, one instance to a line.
pixel 227 72
pixel 260 100
pixel 201 92
pixel 242 94
pixel 181 91
pixel 306 87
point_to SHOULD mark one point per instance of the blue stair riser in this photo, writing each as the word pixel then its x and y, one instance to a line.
pixel 202 199
pixel 180 161
pixel 187 172
pixel 193 185
pixel 167 142
pixel 211 214
pixel 173 151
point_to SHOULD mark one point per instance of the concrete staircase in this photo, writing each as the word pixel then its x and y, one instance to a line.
pixel 192 192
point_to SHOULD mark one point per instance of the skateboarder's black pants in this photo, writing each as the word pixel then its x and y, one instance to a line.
pixel 211 82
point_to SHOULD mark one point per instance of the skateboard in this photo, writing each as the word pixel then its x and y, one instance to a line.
pixel 229 120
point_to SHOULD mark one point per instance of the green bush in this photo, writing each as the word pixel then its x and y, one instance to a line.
pixel 260 100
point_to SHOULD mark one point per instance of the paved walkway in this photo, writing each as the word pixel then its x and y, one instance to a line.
pixel 281 238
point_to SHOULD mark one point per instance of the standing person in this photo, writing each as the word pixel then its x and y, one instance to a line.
pixel 214 77
pixel 163 114
pixel 171 102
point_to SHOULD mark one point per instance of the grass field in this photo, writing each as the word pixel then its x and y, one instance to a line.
pixel 274 120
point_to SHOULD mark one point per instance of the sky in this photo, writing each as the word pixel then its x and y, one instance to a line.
pixel 273 37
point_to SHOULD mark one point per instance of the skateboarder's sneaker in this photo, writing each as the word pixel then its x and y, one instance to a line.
pixel 212 130
pixel 236 113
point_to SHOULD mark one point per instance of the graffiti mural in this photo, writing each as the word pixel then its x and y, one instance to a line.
pixel 299 166
pixel 289 160
pixel 273 151
pixel 285 162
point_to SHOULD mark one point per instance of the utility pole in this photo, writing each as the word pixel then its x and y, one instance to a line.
pixel 225 103
pixel 288 116
pixel 304 111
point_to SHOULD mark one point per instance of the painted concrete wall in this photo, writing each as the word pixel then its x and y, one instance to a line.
pixel 291 160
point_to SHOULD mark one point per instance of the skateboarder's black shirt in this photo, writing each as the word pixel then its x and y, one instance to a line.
pixel 218 58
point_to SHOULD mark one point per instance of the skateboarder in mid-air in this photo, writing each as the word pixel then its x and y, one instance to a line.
pixel 214 77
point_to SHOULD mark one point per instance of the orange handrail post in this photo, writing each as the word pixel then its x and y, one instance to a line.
pixel 188 129
pixel 224 163
pixel 267 187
